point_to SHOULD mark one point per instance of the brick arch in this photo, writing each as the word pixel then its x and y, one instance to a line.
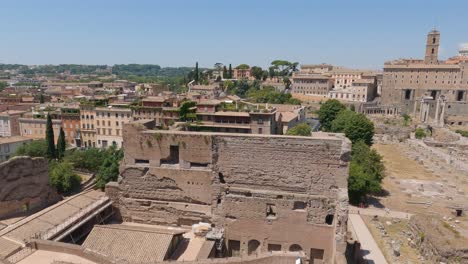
pixel 253 246
pixel 295 248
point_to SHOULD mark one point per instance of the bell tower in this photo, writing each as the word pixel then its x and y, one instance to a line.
pixel 432 47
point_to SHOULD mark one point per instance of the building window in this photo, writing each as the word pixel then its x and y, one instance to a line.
pixel 260 130
pixel 274 247
pixel 299 205
pixel 460 95
pixel 407 94
pixel 271 211
pixel 329 219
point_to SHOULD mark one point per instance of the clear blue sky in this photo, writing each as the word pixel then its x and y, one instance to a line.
pixel 354 33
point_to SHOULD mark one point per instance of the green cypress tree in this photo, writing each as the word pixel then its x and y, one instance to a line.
pixel 225 73
pixel 196 73
pixel 61 145
pixel 51 154
pixel 41 98
pixel 230 71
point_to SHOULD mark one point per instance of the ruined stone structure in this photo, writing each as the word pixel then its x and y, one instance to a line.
pixel 24 185
pixel 266 192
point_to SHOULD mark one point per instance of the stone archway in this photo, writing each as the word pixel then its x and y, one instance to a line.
pixel 253 246
pixel 295 248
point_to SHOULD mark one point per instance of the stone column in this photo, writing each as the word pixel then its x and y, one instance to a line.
pixel 415 107
pixel 436 118
pixel 441 119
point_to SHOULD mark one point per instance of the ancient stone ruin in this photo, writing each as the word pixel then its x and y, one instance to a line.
pixel 24 186
pixel 261 193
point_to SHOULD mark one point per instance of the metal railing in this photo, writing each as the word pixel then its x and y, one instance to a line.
pixel 82 213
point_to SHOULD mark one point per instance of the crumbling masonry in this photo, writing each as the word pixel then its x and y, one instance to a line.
pixel 268 193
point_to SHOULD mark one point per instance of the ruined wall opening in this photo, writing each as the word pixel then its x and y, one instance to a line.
pixel 295 248
pixel 173 156
pixel 253 246
pixel 234 248
pixel 329 219
pixel 271 211
pixel 316 254
pixel 299 205
pixel 274 247
pixel 141 161
pixel 198 165
pixel 221 178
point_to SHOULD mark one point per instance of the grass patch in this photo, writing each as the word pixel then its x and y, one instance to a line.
pixel 449 227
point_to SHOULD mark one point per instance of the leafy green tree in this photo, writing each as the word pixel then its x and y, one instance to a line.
pixel 328 112
pixel 243 67
pixel 35 148
pixel 366 173
pixel 257 72
pixel 269 95
pixel 3 85
pixel 241 88
pixel 51 153
pixel 62 177
pixel 356 126
pixel 109 170
pixel 264 75
pixel 61 144
pixel 185 109
pixel 287 82
pixel 218 66
pixel 302 129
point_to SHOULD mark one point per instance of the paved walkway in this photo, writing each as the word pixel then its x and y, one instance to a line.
pixel 379 212
pixel 369 248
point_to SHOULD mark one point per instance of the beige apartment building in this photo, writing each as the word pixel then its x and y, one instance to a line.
pixel 109 124
pixel 431 89
pixel 88 126
pixel 311 84
pixel 361 90
pixel 35 128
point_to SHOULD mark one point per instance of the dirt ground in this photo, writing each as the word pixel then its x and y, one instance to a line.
pixel 404 176
pixel 427 187
pixel 394 231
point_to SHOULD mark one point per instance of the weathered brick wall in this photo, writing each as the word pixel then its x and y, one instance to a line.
pixel 24 184
pixel 230 180
pixel 299 165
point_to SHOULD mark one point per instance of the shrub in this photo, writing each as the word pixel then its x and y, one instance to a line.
pixel 302 129
pixel 420 133
pixel 35 148
pixel 406 120
pixel 63 178
pixel 462 132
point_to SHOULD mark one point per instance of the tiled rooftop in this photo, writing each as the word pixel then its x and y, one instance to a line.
pixel 130 243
